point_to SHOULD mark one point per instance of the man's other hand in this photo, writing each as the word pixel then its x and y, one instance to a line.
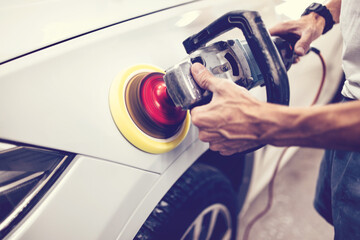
pixel 306 29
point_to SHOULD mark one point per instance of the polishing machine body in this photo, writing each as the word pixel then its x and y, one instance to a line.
pixel 249 63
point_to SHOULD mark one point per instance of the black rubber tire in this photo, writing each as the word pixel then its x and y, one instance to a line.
pixel 199 187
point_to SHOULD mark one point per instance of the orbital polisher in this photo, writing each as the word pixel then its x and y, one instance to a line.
pixel 148 106
pixel 259 60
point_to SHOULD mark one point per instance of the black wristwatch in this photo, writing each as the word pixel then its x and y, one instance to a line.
pixel 322 11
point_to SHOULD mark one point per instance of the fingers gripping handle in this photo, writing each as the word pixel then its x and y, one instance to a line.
pixel 261 45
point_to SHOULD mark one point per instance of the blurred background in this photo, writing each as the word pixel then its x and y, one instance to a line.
pixel 292 215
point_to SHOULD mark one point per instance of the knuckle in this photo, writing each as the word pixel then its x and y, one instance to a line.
pixel 204 83
pixel 214 147
pixel 195 117
pixel 289 25
pixel 202 136
pixel 203 79
pixel 223 86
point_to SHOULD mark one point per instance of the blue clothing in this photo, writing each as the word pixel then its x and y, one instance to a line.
pixel 337 196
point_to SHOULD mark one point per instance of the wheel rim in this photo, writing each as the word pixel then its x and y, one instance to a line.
pixel 214 222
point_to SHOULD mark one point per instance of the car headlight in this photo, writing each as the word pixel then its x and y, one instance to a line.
pixel 26 173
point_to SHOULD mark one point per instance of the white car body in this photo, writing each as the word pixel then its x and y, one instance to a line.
pixel 46 100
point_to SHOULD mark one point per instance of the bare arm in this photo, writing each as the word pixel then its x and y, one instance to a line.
pixel 234 121
pixel 334 126
pixel 334 7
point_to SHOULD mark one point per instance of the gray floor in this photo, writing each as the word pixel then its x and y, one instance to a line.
pixel 292 216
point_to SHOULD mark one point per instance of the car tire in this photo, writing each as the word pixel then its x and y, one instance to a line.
pixel 201 203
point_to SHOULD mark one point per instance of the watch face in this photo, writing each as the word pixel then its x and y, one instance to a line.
pixel 314 6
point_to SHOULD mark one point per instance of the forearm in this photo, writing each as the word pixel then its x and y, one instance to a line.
pixel 332 126
pixel 334 7
pixel 234 121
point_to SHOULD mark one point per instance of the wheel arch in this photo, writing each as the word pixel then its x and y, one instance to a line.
pixel 237 168
pixel 240 182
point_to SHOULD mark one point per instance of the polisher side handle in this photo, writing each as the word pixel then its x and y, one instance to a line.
pixel 218 27
pixel 261 45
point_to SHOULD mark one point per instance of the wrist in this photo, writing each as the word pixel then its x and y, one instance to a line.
pixel 322 12
pixel 280 125
pixel 293 126
pixel 334 8
pixel 317 21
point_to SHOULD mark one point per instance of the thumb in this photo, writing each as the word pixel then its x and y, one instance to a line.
pixel 303 44
pixel 203 77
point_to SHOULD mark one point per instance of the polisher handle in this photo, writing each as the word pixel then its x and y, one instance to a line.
pixel 261 45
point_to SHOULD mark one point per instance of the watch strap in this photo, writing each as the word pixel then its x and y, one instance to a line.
pixel 322 11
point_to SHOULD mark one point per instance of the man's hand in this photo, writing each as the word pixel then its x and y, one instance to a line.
pixel 306 29
pixel 234 121
pixel 230 122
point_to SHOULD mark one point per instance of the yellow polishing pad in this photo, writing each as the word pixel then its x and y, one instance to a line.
pixel 125 123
